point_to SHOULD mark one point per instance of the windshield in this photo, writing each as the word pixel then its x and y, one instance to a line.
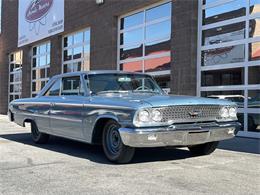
pixel 117 83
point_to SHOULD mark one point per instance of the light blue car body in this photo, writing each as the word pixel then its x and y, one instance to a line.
pixel 83 117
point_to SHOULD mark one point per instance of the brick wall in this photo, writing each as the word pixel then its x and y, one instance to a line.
pixel 102 19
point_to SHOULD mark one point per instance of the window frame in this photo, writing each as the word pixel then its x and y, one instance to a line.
pixel 245 65
pixel 54 80
pixel 73 46
pixel 81 84
pixel 12 72
pixel 144 24
pixel 46 66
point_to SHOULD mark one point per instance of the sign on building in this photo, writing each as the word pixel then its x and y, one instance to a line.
pixel 39 19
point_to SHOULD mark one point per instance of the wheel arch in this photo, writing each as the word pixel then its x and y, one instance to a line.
pixel 28 120
pixel 99 127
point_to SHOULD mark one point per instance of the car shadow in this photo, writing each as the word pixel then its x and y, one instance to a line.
pixel 95 153
pixel 241 144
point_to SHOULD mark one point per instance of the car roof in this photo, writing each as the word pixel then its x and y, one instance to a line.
pixel 96 72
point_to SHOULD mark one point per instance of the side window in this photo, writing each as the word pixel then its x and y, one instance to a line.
pixel 55 89
pixel 72 86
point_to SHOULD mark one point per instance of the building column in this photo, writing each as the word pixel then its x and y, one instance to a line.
pixel 184 47
pixel 4 75
pixel 26 72
pixel 56 55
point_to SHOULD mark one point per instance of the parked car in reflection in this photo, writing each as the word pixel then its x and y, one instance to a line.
pixel 123 111
pixel 238 99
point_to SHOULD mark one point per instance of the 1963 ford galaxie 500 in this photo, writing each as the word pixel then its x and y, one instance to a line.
pixel 123 111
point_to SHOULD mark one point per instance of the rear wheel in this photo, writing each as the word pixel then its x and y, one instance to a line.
pixel 203 149
pixel 113 146
pixel 37 136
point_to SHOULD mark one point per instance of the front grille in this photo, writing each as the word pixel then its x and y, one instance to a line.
pixel 180 114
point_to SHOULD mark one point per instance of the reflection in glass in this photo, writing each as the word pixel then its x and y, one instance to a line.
pixel 48 72
pixel 34 51
pixel 67 41
pixel 87 36
pixel 158 30
pixel 253 122
pixel 67 68
pixel 233 96
pixel 43 49
pixel 157 47
pixel 48 60
pixel 67 54
pixel 11 67
pixel 254 6
pixel 33 74
pixel 225 11
pixel 223 55
pixel 209 1
pixel 254 99
pixel 157 64
pixel 76 66
pixel 43 60
pixel 18 57
pixel 78 38
pixel 254 27
pixel 11 78
pixel 158 12
pixel 254 75
pixel 254 51
pixel 132 20
pixel 234 76
pixel 87 51
pixel 40 67
pixel 34 62
pixel 48 47
pixel 11 88
pixel 11 57
pixel 42 73
pixel 133 36
pixel 132 66
pixel 77 52
pixel 131 52
pixel 223 34
pixel 163 81
pixel 17 88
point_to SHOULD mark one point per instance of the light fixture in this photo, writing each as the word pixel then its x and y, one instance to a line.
pixel 99 2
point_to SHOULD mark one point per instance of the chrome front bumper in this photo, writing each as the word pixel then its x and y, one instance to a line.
pixel 178 135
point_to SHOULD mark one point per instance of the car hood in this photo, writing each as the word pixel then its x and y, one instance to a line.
pixel 156 100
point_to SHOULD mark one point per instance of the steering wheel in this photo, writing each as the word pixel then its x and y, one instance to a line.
pixel 141 88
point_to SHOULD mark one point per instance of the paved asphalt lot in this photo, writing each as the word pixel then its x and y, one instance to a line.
pixel 68 167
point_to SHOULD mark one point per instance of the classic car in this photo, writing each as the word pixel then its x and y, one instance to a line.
pixel 123 111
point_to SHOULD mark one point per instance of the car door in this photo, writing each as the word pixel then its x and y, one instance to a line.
pixel 43 105
pixel 67 110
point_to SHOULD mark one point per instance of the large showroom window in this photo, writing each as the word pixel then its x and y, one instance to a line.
pixel 40 67
pixel 15 75
pixel 144 42
pixel 229 57
pixel 76 51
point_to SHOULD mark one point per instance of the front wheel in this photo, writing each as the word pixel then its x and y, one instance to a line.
pixel 113 146
pixel 203 149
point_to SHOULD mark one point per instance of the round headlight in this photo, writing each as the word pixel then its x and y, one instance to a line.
pixel 144 116
pixel 224 112
pixel 156 115
pixel 233 112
